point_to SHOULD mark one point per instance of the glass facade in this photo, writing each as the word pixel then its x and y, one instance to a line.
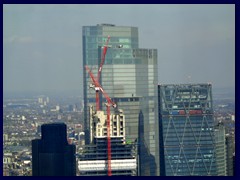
pixel 230 155
pixel 187 141
pixel 221 149
pixel 93 158
pixel 129 76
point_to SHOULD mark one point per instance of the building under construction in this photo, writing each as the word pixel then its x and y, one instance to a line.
pixel 106 152
pixel 94 158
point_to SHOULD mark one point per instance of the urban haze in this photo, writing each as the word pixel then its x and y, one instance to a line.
pixel 42 44
pixel 163 102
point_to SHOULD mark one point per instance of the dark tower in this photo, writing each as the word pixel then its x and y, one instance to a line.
pixel 52 155
pixel 229 154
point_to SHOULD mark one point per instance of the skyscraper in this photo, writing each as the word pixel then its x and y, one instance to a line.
pixel 230 154
pixel 129 76
pixel 187 141
pixel 51 155
pixel 221 155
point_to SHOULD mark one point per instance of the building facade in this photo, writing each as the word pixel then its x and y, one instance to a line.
pixel 98 125
pixel 187 141
pixel 221 150
pixel 52 155
pixel 230 154
pixel 93 160
pixel 129 76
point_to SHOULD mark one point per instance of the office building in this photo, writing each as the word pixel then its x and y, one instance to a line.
pixel 52 155
pixel 221 154
pixel 129 76
pixel 186 125
pixel 94 158
pixel 230 154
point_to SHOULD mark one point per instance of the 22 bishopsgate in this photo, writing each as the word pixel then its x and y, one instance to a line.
pixel 129 76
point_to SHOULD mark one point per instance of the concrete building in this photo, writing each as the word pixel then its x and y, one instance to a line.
pixel 98 126
pixel 52 155
pixel 47 99
pixel 93 160
pixel 40 100
pixel 129 76
pixel 187 141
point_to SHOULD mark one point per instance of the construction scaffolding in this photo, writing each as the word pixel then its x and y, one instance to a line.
pixel 93 159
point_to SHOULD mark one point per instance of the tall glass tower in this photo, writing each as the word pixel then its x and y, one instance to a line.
pixel 221 154
pixel 129 76
pixel 187 141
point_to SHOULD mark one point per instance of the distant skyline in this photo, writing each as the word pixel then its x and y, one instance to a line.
pixel 42 44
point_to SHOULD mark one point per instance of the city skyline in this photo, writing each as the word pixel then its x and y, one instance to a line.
pixel 42 44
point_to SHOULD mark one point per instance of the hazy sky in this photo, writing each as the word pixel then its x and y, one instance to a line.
pixel 42 44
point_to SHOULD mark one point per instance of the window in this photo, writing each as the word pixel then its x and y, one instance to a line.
pixel 124 40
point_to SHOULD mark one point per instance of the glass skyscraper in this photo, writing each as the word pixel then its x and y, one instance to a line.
pixel 186 125
pixel 221 155
pixel 129 76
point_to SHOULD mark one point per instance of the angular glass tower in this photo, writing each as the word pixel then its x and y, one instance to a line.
pixel 186 125
pixel 129 76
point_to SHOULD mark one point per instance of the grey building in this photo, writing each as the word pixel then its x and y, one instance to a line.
pixel 221 155
pixel 230 154
pixel 129 76
pixel 187 141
